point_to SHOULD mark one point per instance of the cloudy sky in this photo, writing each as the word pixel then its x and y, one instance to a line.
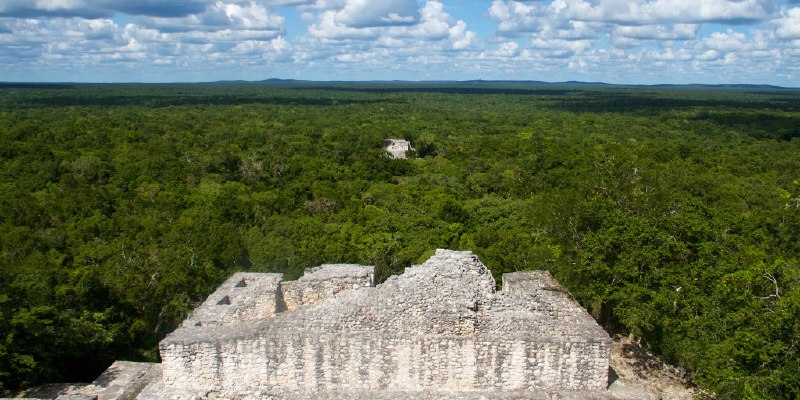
pixel 616 41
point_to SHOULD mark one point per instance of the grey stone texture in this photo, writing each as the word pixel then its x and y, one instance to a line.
pixel 123 380
pixel 325 281
pixel 243 297
pixel 438 327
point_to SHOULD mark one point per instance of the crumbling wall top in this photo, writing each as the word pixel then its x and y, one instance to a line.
pixel 244 296
pixel 320 283
pixel 452 293
pixel 540 293
pixel 331 271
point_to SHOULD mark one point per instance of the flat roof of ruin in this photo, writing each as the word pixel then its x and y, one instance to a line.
pixel 241 290
pixel 329 271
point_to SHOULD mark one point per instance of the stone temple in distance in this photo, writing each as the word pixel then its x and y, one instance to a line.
pixel 438 331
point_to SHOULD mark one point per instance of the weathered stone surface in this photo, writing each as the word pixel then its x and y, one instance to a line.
pixel 243 297
pixel 437 328
pixel 322 282
pixel 123 380
pixel 77 397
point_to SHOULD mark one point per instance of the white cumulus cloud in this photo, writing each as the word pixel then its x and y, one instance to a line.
pixel 789 24
pixel 653 12
pixel 612 40
pixel 328 28
pixel 369 13
pixel 657 32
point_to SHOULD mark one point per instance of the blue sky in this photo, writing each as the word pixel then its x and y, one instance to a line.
pixel 615 41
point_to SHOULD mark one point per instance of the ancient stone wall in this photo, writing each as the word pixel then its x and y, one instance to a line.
pixel 438 326
pixel 320 361
pixel 322 282
pixel 243 297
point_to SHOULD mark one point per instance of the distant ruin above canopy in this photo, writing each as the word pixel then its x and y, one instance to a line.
pixel 397 147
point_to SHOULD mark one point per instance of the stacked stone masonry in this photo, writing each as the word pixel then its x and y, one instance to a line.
pixel 325 281
pixel 243 297
pixel 440 326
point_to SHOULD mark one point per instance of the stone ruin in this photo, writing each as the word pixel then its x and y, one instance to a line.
pixel 439 330
pixel 397 147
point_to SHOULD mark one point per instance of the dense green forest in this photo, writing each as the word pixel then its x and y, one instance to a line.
pixel 671 213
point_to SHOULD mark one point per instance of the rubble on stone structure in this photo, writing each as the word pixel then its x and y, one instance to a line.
pixel 439 330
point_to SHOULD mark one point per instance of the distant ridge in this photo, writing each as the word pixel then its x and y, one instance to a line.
pixel 36 85
pixel 529 82
pixel 721 86
pixel 279 80
pixel 470 82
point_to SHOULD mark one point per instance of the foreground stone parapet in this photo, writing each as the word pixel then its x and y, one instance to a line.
pixel 437 327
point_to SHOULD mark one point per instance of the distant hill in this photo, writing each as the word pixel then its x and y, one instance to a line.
pixel 278 80
pixel 525 83
pixel 720 86
pixel 471 82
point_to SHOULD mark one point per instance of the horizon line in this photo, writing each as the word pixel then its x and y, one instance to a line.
pixel 402 81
